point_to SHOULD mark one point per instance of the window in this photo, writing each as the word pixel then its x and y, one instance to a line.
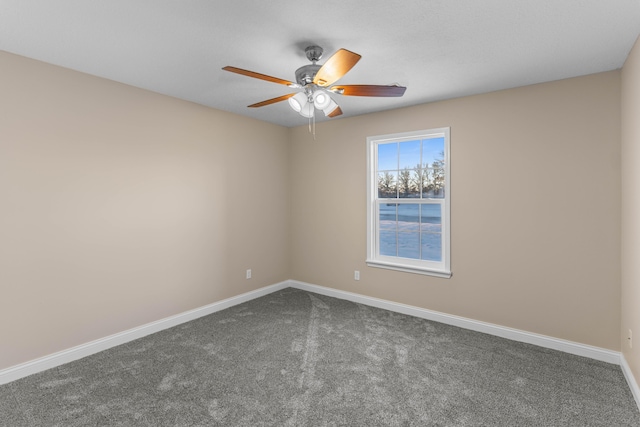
pixel 408 202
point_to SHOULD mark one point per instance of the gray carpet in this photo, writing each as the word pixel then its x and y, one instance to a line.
pixel 294 358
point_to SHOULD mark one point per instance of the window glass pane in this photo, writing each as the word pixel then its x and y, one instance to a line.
pixel 421 182
pixel 432 150
pixel 387 216
pixel 431 232
pixel 433 158
pixel 431 244
pixel 409 217
pixel 409 154
pixel 408 183
pixel 431 218
pixel 409 245
pixel 387 185
pixel 388 245
pixel 434 179
pixel 388 156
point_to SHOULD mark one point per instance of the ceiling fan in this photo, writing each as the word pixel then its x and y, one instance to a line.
pixel 317 82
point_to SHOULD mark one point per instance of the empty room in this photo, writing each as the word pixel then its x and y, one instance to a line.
pixel 417 213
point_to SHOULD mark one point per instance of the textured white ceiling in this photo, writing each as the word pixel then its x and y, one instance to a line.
pixel 439 49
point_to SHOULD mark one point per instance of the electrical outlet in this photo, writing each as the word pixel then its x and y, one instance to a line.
pixel 249 274
pixel 356 275
pixel 630 338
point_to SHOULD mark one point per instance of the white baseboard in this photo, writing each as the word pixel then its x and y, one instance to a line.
pixel 60 358
pixel 571 347
pixel 631 380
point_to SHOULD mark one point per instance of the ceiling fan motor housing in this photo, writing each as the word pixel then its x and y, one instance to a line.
pixel 306 73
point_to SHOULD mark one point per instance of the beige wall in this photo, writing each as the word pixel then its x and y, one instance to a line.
pixel 120 207
pixel 535 208
pixel 631 208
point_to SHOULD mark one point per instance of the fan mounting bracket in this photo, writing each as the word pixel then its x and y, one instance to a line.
pixel 314 53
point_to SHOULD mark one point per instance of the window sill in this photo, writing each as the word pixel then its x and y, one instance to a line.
pixel 409 269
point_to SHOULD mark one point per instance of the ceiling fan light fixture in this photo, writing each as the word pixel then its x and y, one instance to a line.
pixel 330 107
pixel 321 99
pixel 307 110
pixel 298 101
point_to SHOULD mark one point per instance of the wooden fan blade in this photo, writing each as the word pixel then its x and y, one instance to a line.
pixel 271 101
pixel 335 67
pixel 368 90
pixel 335 112
pixel 259 76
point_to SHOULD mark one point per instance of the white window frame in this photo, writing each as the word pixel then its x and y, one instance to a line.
pixel 374 259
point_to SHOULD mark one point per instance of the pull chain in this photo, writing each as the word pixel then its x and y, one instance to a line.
pixel 312 130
